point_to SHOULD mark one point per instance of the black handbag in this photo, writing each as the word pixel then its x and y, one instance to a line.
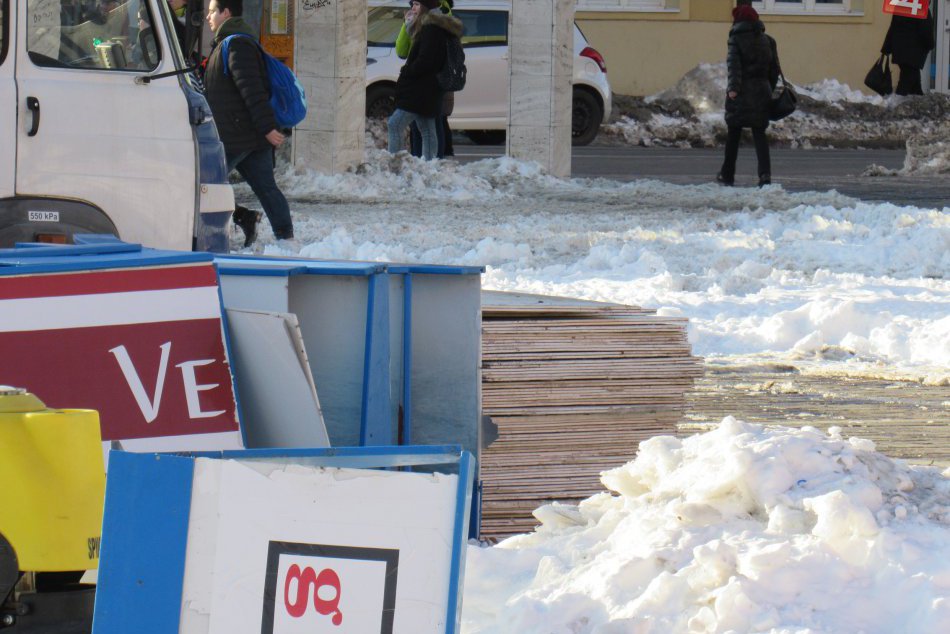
pixel 879 78
pixel 784 100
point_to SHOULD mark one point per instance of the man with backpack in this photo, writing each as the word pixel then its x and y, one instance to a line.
pixel 238 91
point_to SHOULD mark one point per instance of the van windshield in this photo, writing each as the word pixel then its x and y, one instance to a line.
pixel 102 35
pixel 383 24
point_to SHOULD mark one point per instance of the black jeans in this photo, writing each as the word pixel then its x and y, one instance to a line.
pixel 257 168
pixel 909 82
pixel 728 170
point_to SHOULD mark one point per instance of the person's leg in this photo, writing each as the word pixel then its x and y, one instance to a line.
pixel 429 137
pixel 257 168
pixel 448 150
pixel 762 156
pixel 415 140
pixel 243 217
pixel 397 129
pixel 727 174
pixel 909 82
pixel 439 132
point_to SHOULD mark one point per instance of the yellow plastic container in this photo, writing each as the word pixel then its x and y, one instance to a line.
pixel 53 483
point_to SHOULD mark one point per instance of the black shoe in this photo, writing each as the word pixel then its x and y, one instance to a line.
pixel 765 179
pixel 247 220
pixel 722 180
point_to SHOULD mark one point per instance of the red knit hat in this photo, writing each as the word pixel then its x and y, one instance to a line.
pixel 744 13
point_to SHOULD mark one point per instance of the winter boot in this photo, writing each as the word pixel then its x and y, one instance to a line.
pixel 722 180
pixel 247 220
pixel 765 179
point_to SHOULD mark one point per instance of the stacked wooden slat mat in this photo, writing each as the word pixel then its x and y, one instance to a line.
pixel 573 390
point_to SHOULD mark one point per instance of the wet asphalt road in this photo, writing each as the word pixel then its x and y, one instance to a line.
pixel 794 169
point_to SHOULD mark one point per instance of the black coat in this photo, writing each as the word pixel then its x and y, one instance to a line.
pixel 240 101
pixel 752 63
pixel 908 40
pixel 417 90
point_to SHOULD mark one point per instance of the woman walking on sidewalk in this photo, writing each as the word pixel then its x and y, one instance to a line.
pixel 753 72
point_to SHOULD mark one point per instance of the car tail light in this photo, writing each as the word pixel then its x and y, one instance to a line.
pixel 597 57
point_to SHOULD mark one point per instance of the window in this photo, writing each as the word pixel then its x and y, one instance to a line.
pixel 483 28
pixel 4 38
pixel 627 5
pixel 383 25
pixel 803 6
pixel 92 34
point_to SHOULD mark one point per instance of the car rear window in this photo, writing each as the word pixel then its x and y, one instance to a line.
pixel 483 28
pixel 383 24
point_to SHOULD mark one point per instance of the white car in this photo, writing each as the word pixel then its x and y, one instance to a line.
pixel 481 109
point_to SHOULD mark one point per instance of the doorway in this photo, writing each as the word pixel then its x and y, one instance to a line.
pixel 941 54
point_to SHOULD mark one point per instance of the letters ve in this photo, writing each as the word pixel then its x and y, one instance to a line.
pixel 150 406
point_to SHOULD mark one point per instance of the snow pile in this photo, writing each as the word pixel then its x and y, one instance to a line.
pixel 741 529
pixel 928 155
pixel 830 114
pixel 764 275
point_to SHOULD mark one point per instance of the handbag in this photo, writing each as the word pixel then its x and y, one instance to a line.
pixel 784 100
pixel 879 78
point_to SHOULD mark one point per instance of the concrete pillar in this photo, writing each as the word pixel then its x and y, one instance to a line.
pixel 330 61
pixel 541 47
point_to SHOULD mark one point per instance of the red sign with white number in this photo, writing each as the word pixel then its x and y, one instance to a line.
pixel 908 8
pixel 143 346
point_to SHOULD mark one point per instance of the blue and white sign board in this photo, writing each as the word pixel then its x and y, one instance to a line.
pixel 284 541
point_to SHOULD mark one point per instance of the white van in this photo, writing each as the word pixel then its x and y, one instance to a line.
pixel 93 137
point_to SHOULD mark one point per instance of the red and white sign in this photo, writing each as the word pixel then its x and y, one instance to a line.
pixel 908 8
pixel 282 548
pixel 317 588
pixel 143 346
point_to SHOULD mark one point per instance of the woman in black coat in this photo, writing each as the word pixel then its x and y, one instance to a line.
pixel 418 96
pixel 908 41
pixel 752 63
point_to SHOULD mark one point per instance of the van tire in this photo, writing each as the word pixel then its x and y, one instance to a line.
pixel 380 101
pixel 587 114
pixel 9 569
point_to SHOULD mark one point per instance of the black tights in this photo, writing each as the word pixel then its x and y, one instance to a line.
pixel 909 81
pixel 728 170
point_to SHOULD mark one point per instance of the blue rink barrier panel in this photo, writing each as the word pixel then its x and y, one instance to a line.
pixel 279 540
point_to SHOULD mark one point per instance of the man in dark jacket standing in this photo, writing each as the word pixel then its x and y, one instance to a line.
pixel 240 102
pixel 908 41
pixel 752 65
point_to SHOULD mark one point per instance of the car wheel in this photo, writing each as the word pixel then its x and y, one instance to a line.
pixel 380 101
pixel 486 137
pixel 586 117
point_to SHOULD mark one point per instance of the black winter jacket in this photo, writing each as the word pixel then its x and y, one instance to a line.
pixel 240 101
pixel 752 62
pixel 417 90
pixel 908 40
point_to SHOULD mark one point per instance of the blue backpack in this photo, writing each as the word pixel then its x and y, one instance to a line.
pixel 286 94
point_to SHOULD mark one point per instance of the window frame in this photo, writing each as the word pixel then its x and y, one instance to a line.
pixel 644 6
pixel 802 7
